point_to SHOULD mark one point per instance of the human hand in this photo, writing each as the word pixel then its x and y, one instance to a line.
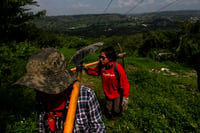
pixel 85 68
pixel 124 103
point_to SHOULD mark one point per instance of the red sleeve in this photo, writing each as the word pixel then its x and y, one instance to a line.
pixel 93 71
pixel 124 84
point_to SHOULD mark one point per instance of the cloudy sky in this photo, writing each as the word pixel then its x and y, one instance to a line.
pixel 75 7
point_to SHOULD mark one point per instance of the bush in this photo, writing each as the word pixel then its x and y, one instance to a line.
pixel 15 103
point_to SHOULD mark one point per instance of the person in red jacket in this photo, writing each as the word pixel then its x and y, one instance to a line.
pixel 116 90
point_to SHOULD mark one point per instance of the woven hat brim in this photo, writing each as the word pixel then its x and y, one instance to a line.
pixel 52 83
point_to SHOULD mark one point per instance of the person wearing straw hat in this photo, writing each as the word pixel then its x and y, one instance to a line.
pixel 48 75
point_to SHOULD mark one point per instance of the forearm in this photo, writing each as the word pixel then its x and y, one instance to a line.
pixel 92 71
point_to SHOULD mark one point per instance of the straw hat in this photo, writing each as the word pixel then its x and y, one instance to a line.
pixel 47 72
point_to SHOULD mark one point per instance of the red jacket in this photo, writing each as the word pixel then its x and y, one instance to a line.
pixel 110 82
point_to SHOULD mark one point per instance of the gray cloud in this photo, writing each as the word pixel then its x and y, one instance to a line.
pixel 71 7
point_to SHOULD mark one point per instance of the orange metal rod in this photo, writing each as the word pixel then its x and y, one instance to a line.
pixel 71 114
pixel 90 64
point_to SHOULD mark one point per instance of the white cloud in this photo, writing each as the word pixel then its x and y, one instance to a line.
pixel 122 3
pixel 80 5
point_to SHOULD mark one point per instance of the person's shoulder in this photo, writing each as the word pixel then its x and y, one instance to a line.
pixel 86 94
pixel 119 65
pixel 86 89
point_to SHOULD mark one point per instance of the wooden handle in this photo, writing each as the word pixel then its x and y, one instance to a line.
pixel 90 64
pixel 121 55
pixel 71 114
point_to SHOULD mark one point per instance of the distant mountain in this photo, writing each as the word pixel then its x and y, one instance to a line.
pixel 94 25
pixel 177 12
pixel 195 13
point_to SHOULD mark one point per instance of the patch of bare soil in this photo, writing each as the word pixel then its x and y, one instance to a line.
pixel 130 67
pixel 166 71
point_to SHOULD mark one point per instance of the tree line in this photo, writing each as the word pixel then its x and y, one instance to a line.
pixel 179 44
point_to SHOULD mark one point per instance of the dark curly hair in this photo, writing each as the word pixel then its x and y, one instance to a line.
pixel 110 53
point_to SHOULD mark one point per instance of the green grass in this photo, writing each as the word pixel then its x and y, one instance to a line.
pixel 159 101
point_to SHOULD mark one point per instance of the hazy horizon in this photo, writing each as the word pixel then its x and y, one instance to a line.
pixel 80 7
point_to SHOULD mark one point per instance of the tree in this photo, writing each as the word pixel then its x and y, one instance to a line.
pixel 154 40
pixel 189 41
pixel 14 15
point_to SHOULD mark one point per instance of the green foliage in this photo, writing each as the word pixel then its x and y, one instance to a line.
pixel 97 25
pixel 76 43
pixel 172 45
pixel 160 100
pixel 156 40
pixel 28 125
pixel 15 102
pixel 161 103
pixel 15 14
pixel 18 113
pixel 189 42
pixel 12 54
pixel 131 44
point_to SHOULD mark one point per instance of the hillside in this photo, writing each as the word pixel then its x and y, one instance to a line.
pixel 115 24
pixel 163 97
pixel 161 50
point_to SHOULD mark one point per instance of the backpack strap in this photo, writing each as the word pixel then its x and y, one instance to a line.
pixel 116 71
